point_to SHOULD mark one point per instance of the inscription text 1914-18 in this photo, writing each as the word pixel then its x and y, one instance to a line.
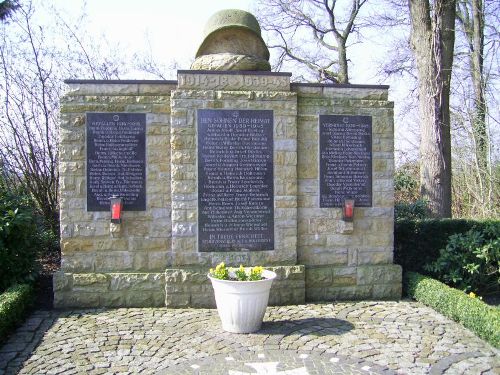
pixel 116 160
pixel 345 160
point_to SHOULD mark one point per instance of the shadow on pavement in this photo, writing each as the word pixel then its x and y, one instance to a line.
pixel 23 342
pixel 311 326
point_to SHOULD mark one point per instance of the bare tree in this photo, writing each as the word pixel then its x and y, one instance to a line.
pixel 146 63
pixel 35 58
pixel 329 22
pixel 432 40
pixel 29 114
pixel 470 14
pixel 475 186
pixel 476 72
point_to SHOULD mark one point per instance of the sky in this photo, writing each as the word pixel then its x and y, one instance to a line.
pixel 174 30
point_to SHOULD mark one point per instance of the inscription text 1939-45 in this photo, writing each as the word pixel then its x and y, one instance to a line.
pixel 235 180
pixel 345 160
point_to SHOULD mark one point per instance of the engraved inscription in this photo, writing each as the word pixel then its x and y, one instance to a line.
pixel 345 160
pixel 235 180
pixel 229 258
pixel 212 81
pixel 116 160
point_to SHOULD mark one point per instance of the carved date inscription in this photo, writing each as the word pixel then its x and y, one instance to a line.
pixel 235 180
pixel 345 147
pixel 116 160
pixel 233 81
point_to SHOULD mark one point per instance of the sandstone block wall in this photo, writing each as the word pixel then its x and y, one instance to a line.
pixel 344 260
pixel 230 91
pixel 93 257
pixel 153 260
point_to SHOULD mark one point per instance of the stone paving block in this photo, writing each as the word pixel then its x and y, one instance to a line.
pixel 329 338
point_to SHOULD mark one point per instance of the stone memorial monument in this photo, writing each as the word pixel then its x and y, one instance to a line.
pixel 230 162
pixel 232 42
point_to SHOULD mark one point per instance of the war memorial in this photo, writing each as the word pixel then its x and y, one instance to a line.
pixel 161 180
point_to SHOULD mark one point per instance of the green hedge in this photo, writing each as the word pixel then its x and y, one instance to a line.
pixel 14 304
pixel 417 242
pixel 18 240
pixel 473 313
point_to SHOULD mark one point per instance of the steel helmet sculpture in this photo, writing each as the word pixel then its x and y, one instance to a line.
pixel 232 41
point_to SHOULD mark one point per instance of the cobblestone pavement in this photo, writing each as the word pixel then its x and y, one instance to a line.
pixel 339 338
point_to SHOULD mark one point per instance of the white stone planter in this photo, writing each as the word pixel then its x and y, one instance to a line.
pixel 242 304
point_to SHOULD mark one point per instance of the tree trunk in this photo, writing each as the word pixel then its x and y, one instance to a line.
pixel 433 39
pixel 476 63
pixel 343 72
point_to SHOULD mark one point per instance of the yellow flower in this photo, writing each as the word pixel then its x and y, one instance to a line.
pixel 256 273
pixel 242 269
pixel 258 269
pixel 472 295
pixel 220 266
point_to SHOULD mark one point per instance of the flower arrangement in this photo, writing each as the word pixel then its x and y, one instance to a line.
pixel 241 305
pixel 221 272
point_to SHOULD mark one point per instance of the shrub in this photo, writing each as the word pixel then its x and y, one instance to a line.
pixel 14 303
pixel 470 261
pixel 473 313
pixel 406 183
pixel 18 240
pixel 417 243
pixel 48 241
pixel 417 210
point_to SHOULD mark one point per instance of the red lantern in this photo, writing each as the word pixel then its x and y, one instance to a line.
pixel 116 209
pixel 348 210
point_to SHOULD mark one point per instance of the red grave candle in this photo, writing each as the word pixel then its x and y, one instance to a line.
pixel 348 210
pixel 115 210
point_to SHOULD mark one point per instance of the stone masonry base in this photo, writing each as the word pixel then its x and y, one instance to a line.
pixel 108 289
pixel 190 287
pixel 378 282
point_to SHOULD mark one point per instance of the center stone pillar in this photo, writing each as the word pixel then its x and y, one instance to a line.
pixel 256 113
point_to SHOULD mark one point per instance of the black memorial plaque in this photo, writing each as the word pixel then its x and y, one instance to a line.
pixel 116 162
pixel 345 165
pixel 235 180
